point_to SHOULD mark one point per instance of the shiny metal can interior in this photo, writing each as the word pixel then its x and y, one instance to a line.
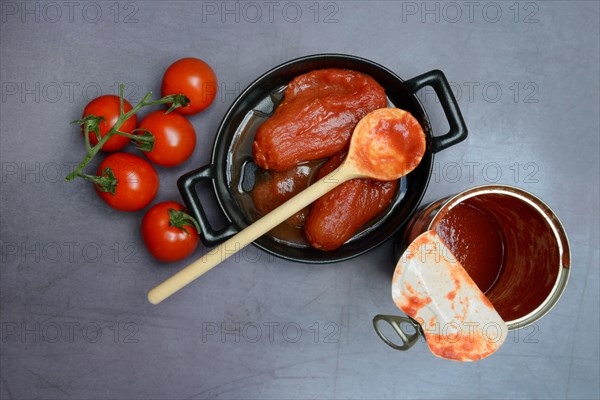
pixel 536 266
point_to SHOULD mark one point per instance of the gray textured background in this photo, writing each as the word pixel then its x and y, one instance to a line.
pixel 75 321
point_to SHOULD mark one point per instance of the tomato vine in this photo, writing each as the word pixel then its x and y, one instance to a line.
pixel 106 181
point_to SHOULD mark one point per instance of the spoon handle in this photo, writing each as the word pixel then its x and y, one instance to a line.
pixel 249 234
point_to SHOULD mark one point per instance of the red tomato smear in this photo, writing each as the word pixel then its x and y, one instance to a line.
pixel 401 137
pixel 451 296
pixel 413 304
pixel 469 346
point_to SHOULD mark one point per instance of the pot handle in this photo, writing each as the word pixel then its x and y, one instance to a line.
pixel 458 129
pixel 408 339
pixel 187 188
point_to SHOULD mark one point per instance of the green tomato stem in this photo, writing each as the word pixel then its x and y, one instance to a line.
pixel 86 134
pixel 179 219
pixel 121 100
pixel 145 142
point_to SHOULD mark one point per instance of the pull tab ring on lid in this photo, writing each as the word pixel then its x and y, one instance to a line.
pixel 408 339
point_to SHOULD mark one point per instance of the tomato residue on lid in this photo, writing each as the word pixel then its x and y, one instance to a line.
pixel 460 346
pixel 429 284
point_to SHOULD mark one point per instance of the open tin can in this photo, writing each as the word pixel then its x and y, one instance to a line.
pixel 535 255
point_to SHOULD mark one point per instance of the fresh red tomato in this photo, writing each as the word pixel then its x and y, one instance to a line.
pixel 136 182
pixel 170 234
pixel 174 138
pixel 107 106
pixel 195 79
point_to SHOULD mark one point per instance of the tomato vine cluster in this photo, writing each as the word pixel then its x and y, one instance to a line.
pixel 128 182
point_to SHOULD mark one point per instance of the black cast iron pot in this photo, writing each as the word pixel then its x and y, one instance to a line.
pixel 231 173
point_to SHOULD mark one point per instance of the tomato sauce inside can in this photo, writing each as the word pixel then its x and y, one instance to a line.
pixel 476 240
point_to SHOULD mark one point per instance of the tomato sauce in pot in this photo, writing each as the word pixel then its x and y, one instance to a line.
pixel 308 132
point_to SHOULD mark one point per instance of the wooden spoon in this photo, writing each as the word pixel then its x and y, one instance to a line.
pixel 386 145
